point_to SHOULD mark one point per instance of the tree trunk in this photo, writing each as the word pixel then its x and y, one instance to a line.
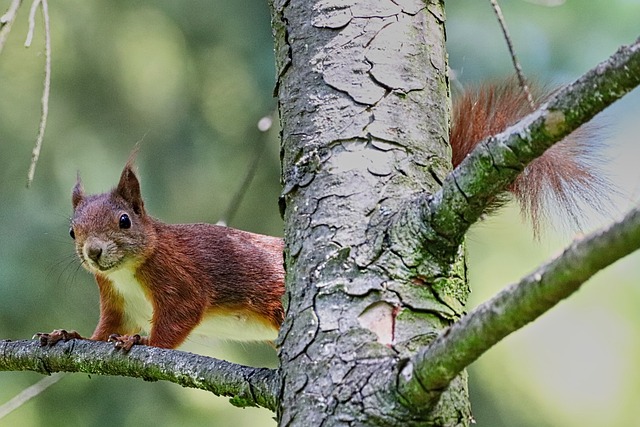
pixel 363 96
pixel 374 225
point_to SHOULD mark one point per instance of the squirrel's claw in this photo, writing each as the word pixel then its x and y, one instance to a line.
pixel 56 335
pixel 125 342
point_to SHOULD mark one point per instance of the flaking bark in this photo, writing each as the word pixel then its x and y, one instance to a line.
pixel 363 98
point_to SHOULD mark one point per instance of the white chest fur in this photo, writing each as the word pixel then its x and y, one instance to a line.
pixel 139 311
pixel 137 307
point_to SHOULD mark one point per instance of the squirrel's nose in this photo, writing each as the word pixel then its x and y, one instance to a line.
pixel 94 252
pixel 93 249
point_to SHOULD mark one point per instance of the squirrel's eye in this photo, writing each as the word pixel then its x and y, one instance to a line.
pixel 72 233
pixel 125 221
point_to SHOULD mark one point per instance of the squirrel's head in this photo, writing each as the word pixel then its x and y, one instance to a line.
pixel 111 230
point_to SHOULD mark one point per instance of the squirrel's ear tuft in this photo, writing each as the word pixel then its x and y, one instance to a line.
pixel 78 192
pixel 129 187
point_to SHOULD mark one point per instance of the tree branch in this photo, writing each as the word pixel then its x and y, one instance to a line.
pixel 245 385
pixel 496 162
pixel 432 369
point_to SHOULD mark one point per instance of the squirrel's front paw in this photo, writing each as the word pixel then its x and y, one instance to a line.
pixel 125 342
pixel 55 336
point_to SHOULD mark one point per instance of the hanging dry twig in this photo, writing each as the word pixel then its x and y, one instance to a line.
pixel 29 393
pixel 35 154
pixel 521 79
pixel 6 21
pixel 263 126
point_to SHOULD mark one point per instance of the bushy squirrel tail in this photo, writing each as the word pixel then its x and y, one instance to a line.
pixel 566 178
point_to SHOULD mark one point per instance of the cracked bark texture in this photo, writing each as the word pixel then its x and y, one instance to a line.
pixel 363 99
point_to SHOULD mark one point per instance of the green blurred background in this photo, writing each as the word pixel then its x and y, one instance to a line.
pixel 191 79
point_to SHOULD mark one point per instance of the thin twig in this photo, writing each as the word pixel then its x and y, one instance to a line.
pixel 10 14
pixel 35 154
pixel 32 22
pixel 516 64
pixel 263 125
pixel 29 393
pixel 6 21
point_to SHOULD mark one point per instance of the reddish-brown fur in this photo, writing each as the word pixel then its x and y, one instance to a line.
pixel 201 269
pixel 565 174
pixel 188 271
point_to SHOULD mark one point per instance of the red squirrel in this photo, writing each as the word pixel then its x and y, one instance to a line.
pixel 172 279
pixel 175 280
